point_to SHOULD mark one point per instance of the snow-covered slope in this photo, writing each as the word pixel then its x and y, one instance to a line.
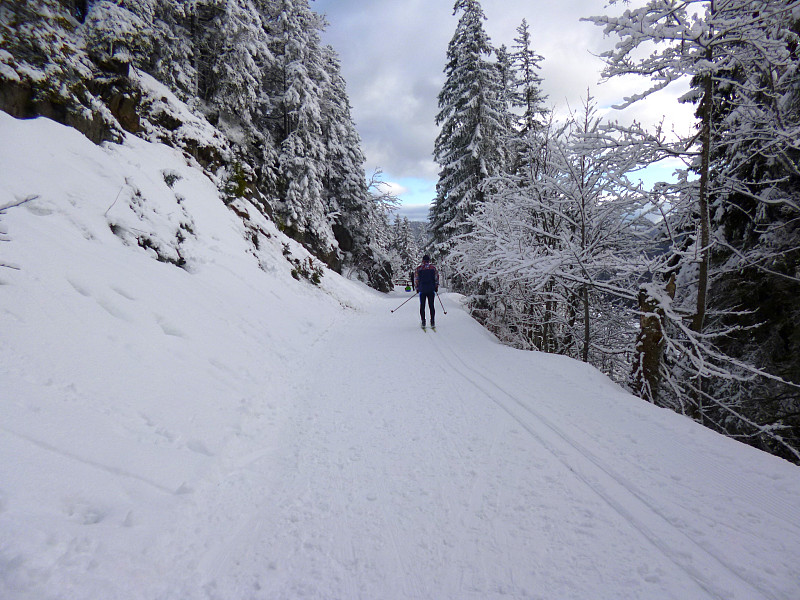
pixel 225 431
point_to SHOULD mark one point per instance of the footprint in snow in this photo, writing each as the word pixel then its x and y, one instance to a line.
pixel 199 447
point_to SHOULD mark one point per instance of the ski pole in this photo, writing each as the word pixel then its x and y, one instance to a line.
pixel 440 302
pixel 407 299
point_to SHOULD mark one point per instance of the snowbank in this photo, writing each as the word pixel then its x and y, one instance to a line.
pixel 183 419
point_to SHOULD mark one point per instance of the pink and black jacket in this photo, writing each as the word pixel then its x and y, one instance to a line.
pixel 426 278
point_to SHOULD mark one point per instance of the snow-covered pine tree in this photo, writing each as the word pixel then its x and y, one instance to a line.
pixel 724 47
pixel 527 102
pixel 351 207
pixel 118 34
pixel 528 96
pixel 508 85
pixel 172 58
pixel 302 80
pixel 755 207
pixel 216 56
pixel 232 50
pixel 345 179
pixel 404 250
pixel 472 116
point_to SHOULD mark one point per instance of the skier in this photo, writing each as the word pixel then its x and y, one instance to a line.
pixel 426 282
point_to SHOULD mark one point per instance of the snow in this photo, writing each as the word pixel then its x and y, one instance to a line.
pixel 223 431
pixel 193 130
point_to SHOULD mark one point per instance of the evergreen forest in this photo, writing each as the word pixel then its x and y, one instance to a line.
pixel 270 117
pixel 686 292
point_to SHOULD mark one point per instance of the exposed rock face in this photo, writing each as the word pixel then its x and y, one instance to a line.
pixel 16 99
pixel 21 101
pixel 343 237
pixel 123 100
pixel 380 277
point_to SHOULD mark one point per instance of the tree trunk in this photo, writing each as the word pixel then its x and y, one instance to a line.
pixel 650 343
pixel 705 153
pixel 586 328
pixel 696 412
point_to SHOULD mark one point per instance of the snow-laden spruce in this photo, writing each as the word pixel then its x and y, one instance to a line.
pixel 254 70
pixel 472 116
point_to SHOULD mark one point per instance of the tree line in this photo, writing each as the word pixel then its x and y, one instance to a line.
pixel 686 292
pixel 256 70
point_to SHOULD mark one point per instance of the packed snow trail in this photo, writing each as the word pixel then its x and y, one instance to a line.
pixel 225 432
pixel 422 466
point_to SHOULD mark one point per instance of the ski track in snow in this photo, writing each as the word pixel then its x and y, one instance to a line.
pixel 625 507
pixel 229 433
pixel 404 494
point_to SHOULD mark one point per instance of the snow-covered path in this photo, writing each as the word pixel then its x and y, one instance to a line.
pixel 441 465
pixel 225 432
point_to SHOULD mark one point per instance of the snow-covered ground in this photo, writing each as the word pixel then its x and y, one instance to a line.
pixel 224 431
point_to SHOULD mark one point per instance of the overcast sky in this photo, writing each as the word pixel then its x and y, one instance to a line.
pixel 393 56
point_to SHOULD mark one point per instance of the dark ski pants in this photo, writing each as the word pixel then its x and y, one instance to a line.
pixel 430 296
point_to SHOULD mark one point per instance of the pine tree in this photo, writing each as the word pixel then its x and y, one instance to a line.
pixel 755 208
pixel 527 103
pixel 738 54
pixel 345 181
pixel 117 34
pixel 528 95
pixel 172 59
pixel 354 213
pixel 404 251
pixel 472 117
pixel 298 105
pixel 241 55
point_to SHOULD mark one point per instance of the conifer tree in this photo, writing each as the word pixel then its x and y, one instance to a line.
pixel 345 180
pixel 172 60
pixel 404 250
pixel 741 54
pixel 528 95
pixel 472 117
pixel 118 34
pixel 528 105
pixel 755 206
pixel 355 215
pixel 298 104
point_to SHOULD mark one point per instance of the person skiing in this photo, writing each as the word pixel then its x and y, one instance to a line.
pixel 426 282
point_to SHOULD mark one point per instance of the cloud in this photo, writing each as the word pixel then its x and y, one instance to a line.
pixel 394 188
pixel 414 212
pixel 393 54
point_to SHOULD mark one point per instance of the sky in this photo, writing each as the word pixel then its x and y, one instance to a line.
pixel 393 56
